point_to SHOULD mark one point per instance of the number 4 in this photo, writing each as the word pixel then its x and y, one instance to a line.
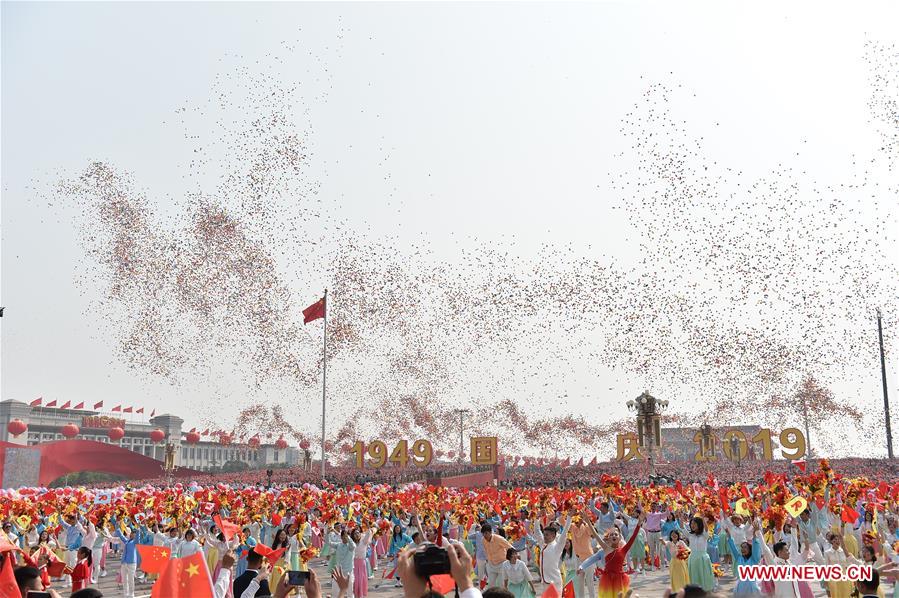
pixel 400 454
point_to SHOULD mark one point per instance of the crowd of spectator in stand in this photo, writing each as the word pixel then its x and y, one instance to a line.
pixel 549 475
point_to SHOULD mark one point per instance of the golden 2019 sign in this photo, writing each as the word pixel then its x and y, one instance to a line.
pixel 734 444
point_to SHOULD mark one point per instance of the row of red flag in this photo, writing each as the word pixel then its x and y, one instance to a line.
pixel 514 461
pixel 39 402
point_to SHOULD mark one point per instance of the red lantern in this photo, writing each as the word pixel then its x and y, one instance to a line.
pixel 192 438
pixel 116 434
pixel 70 431
pixel 282 444
pixel 304 444
pixel 157 435
pixel 253 442
pixel 225 439
pixel 16 427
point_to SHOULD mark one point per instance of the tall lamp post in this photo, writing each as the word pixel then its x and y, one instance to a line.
pixel 883 374
pixel 649 427
pixel 462 413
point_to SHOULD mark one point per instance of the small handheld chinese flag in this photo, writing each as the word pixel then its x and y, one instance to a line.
pixel 228 528
pixel 314 311
pixel 568 590
pixel 8 585
pixel 153 559
pixel 186 577
pixel 442 584
pixel 550 592
pixel 849 515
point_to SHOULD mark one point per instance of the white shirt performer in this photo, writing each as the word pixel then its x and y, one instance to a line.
pixel 551 543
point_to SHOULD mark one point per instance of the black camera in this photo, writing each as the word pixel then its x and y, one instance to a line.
pixel 433 560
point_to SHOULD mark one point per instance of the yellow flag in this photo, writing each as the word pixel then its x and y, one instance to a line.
pixel 796 505
pixel 740 507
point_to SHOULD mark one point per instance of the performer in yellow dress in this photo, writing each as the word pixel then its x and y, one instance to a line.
pixel 677 568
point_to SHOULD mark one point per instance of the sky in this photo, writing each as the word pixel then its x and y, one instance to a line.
pixel 453 125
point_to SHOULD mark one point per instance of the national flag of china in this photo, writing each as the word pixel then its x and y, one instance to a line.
pixel 8 585
pixel 79 405
pixel 550 592
pixel 228 528
pixel 568 590
pixel 153 413
pixel 442 584
pixel 37 402
pixel 117 408
pixel 51 403
pixel 153 559
pixel 141 410
pixel 187 577
pixel 127 410
pixel 849 515
pixel 98 405
pixel 66 405
pixel 314 311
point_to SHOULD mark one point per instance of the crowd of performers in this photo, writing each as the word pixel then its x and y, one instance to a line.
pixel 585 542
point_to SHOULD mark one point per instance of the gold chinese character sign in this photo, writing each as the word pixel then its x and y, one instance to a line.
pixel 484 450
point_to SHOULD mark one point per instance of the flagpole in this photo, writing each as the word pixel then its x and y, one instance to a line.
pixel 324 374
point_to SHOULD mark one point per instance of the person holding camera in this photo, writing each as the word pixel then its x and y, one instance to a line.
pixel 415 568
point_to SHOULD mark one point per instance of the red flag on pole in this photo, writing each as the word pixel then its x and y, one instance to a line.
pixel 37 402
pixel 66 405
pixel 79 405
pixel 568 590
pixel 141 410
pixel 152 413
pixel 314 311
pixel 51 403
pixel 127 410
pixel 116 408
pixel 800 463
pixel 98 405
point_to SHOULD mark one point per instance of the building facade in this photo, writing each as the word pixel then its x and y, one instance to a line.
pixel 45 425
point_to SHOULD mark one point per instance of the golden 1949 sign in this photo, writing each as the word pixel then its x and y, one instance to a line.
pixel 734 444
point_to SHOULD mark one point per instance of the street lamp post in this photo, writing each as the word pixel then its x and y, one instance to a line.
pixel 462 413
pixel 649 431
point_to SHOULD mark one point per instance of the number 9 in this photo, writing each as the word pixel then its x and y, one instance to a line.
pixel 422 449
pixel 792 438
pixel 377 450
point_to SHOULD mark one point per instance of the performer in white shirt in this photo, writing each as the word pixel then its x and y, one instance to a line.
pixel 551 544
